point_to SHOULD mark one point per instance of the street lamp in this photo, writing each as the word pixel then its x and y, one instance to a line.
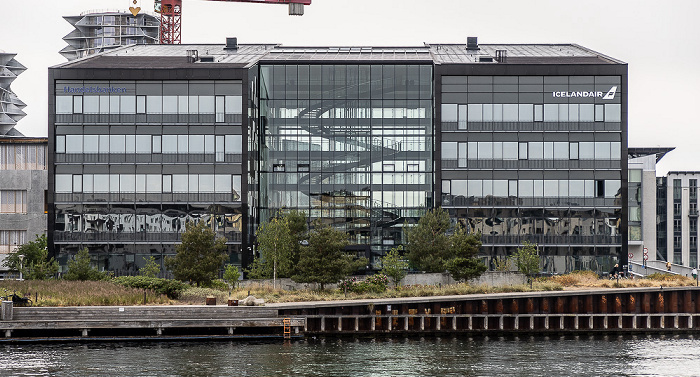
pixel 21 259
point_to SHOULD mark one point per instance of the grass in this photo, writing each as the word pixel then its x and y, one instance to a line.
pixel 79 293
pixel 198 295
pixel 589 279
pixel 84 293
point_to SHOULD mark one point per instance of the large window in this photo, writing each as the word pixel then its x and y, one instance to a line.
pixel 148 183
pixel 156 97
pixel 13 201
pixel 147 144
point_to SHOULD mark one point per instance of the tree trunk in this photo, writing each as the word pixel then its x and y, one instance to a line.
pixel 274 274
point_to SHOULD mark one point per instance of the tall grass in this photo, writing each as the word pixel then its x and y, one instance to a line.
pixel 589 279
pixel 79 293
pixel 198 295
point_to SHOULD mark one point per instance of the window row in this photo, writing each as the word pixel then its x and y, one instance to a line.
pixel 13 201
pixel 532 188
pixel 11 239
pixel 148 144
pixel 151 223
pixel 346 81
pixel 530 113
pixel 148 183
pixel 22 157
pixel 348 143
pixel 534 150
pixel 357 206
pixel 352 110
pixel 345 178
pixel 219 105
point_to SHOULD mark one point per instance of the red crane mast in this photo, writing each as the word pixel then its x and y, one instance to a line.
pixel 171 15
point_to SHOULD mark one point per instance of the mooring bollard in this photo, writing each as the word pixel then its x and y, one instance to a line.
pixel 7 311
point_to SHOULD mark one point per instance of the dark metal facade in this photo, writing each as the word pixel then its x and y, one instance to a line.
pixel 525 157
pixel 364 142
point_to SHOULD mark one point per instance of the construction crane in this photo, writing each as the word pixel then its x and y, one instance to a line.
pixel 171 15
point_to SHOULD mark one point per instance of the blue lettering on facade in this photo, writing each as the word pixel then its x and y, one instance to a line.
pixel 92 89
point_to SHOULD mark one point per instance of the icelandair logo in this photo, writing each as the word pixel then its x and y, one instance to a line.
pixel 609 95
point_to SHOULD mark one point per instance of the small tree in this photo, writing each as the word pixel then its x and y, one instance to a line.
pixel 323 261
pixel 276 244
pixel 199 256
pixel 502 264
pixel 231 276
pixel 36 264
pixel 298 228
pixel 394 266
pixel 463 265
pixel 79 268
pixel 527 260
pixel 428 243
pixel 151 269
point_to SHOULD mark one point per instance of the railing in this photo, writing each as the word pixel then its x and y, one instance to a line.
pixel 543 239
pixel 106 158
pixel 512 201
pixel 531 126
pixel 530 164
pixel 60 236
pixel 652 266
pixel 146 118
pixel 147 197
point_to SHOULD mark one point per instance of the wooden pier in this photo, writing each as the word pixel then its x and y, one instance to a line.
pixel 609 310
pixel 146 321
pixel 633 310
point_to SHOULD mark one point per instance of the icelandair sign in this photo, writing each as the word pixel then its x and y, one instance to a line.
pixel 609 95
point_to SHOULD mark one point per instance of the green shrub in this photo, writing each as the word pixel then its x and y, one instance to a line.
pixel 171 288
pixel 217 284
pixel 377 283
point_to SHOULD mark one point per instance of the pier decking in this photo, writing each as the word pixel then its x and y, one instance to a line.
pixel 586 311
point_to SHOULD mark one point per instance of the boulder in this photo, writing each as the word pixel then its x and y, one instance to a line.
pixel 252 301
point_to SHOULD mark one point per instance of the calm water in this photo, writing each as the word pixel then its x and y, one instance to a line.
pixel 447 356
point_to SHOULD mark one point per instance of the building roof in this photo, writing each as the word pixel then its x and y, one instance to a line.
pixel 683 172
pixel 177 56
pixel 660 152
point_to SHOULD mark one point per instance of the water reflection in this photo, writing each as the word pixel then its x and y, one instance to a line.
pixel 429 356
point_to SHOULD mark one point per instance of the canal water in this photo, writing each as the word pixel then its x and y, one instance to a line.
pixel 430 356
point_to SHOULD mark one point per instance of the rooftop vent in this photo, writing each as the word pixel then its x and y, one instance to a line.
pixel 192 56
pixel 501 56
pixel 485 59
pixel 231 44
pixel 472 43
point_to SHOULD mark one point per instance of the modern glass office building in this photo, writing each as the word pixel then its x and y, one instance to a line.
pixel 518 142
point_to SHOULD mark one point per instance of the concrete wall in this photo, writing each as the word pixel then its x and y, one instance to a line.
pixel 35 182
pixel 490 278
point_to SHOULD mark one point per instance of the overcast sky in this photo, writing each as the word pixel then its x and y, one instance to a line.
pixel 660 40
